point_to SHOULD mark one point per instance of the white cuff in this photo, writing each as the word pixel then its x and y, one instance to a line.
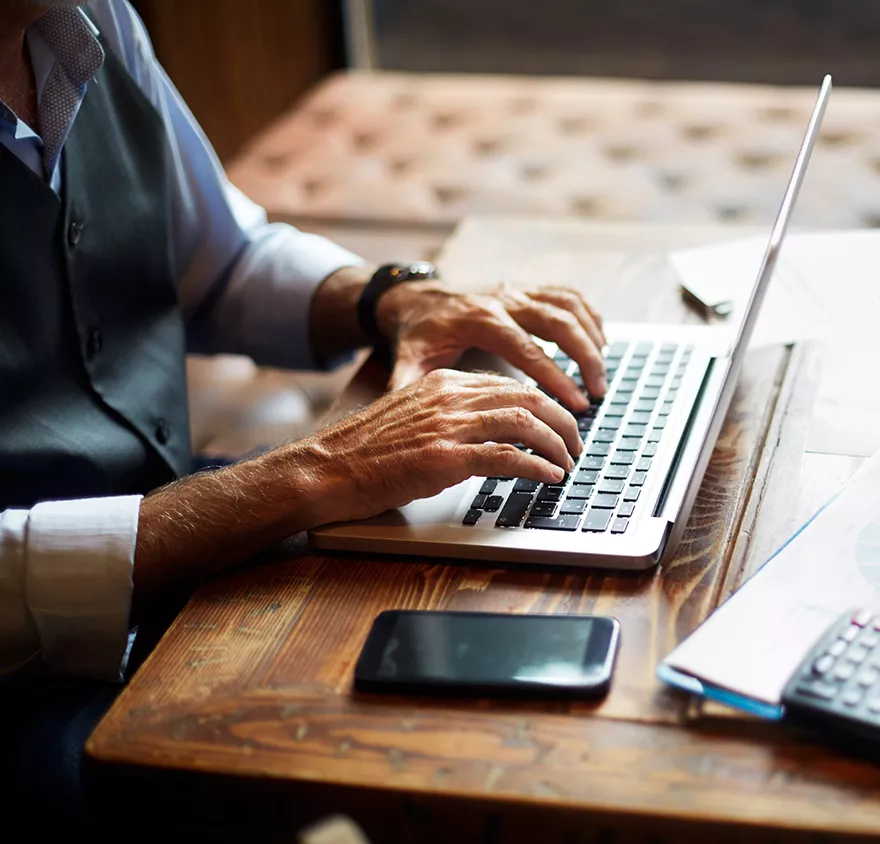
pixel 78 582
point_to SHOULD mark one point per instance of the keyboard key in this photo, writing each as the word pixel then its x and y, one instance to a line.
pixel 610 423
pixel 666 408
pixel 586 476
pixel 617 472
pixel 598 450
pixel 479 502
pixel 671 394
pixel 604 501
pixel 632 494
pixel 660 422
pixel 626 388
pixel 853 697
pixel 620 398
pixel 822 691
pixel 597 521
pixel 638 479
pixel 559 523
pixel 650 393
pixel 639 418
pixel 550 493
pixel 514 509
pixel 645 406
pixel 573 506
pixel 525 485
pixel 862 618
pixel 472 517
pixel 649 451
pixel 619 525
pixel 669 349
pixel 660 369
pixel 615 487
pixel 582 491
pixel 616 350
pixel 493 503
pixel 543 508
pixel 655 435
pixel 623 458
pixel 561 358
pixel 643 349
pixel 635 431
pixel 615 411
pixel 585 423
pixel 626 509
pixel 644 464
pixel 629 444
pixel 604 436
pixel 654 382
pixel 488 486
pixel 592 462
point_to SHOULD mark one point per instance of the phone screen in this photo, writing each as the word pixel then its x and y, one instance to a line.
pixel 472 649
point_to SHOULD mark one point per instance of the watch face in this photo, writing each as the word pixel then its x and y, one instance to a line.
pixel 419 270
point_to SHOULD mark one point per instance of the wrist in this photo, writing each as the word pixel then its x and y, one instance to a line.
pixel 394 304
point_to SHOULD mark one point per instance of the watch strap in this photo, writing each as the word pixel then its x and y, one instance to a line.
pixel 385 277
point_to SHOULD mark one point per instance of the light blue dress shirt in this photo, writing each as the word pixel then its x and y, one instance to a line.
pixel 245 286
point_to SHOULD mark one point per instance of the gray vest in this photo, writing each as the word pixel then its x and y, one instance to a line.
pixel 92 378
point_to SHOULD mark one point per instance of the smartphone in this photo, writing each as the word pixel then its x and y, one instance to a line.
pixel 490 654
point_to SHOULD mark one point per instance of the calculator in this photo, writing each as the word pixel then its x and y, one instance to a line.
pixel 836 689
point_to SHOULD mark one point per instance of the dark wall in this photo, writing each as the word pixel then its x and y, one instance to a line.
pixel 239 63
pixel 783 41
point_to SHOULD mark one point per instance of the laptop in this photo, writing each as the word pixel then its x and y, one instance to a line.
pixel 646 446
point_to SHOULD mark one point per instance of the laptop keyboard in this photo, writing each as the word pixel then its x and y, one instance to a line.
pixel 621 435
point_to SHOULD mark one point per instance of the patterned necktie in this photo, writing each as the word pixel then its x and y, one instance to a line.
pixel 78 57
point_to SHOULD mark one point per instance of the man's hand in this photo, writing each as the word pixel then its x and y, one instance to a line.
pixel 417 441
pixel 411 443
pixel 431 327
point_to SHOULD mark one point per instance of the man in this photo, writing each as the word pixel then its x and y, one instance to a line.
pixel 122 246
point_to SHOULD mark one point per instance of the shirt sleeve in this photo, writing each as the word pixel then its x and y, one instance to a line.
pixel 246 286
pixel 66 586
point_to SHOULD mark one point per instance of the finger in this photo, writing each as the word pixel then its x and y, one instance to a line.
pixel 562 328
pixel 507 461
pixel 497 391
pixel 505 337
pixel 576 305
pixel 518 425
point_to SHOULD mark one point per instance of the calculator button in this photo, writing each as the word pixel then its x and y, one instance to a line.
pixel 862 618
pixel 867 678
pixel 856 654
pixel 850 633
pixel 823 665
pixel 843 672
pixel 823 691
pixel 852 697
pixel 837 648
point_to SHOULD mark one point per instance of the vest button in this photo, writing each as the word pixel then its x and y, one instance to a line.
pixel 163 432
pixel 94 344
pixel 74 233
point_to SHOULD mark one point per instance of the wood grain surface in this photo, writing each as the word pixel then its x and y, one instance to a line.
pixel 254 678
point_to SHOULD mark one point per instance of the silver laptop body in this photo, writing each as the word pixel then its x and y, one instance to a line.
pixel 646 448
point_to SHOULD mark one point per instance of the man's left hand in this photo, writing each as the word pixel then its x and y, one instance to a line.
pixel 431 326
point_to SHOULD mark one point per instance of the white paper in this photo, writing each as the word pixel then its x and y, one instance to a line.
pixel 826 287
pixel 754 643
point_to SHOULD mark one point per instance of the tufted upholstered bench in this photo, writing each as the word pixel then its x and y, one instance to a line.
pixel 387 163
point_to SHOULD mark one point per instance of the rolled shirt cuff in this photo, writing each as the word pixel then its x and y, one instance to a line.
pixel 78 582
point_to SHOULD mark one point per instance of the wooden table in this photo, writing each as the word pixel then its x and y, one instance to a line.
pixel 243 719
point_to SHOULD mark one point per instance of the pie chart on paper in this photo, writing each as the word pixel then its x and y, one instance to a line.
pixel 867 553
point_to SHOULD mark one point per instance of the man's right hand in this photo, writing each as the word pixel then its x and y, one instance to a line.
pixel 411 443
pixel 444 428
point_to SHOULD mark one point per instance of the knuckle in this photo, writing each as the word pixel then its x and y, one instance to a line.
pixel 521 418
pixel 507 455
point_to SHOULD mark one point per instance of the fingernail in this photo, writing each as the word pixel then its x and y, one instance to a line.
pixel 558 473
pixel 570 465
pixel 580 401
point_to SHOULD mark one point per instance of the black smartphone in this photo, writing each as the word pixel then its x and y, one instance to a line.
pixel 497 654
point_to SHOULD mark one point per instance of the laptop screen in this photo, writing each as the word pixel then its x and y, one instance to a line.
pixel 756 298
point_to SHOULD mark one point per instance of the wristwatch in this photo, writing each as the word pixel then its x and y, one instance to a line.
pixel 384 278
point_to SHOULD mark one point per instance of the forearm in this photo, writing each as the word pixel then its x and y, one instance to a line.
pixel 208 522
